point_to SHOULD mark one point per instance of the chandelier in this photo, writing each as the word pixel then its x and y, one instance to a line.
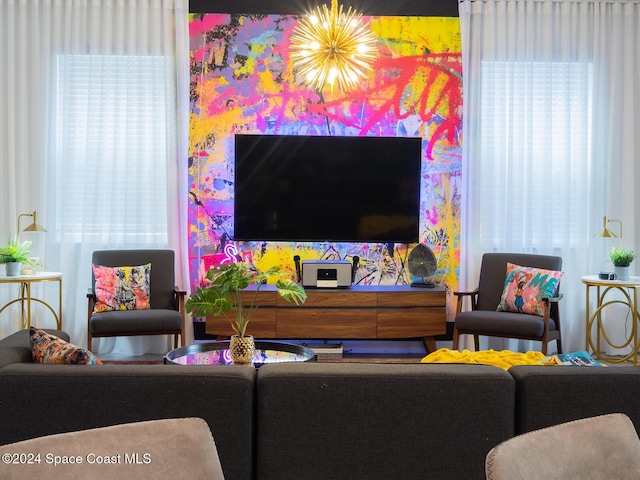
pixel 331 47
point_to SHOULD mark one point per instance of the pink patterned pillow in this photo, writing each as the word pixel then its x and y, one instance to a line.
pixel 47 348
pixel 122 288
pixel 525 287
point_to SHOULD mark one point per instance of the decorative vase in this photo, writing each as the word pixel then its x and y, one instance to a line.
pixel 13 269
pixel 622 273
pixel 242 349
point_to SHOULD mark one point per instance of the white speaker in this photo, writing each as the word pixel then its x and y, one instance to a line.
pixel 326 273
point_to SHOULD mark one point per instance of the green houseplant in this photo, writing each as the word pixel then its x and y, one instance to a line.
pixel 227 290
pixel 15 254
pixel 621 259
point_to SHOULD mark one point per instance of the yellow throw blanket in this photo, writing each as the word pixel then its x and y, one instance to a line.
pixel 504 359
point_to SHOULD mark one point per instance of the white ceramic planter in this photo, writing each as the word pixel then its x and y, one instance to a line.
pixel 13 269
pixel 622 273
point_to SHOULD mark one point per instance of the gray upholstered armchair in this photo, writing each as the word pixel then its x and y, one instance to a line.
pixel 484 319
pixel 164 312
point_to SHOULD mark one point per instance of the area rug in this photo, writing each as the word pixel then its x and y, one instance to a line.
pixel 346 359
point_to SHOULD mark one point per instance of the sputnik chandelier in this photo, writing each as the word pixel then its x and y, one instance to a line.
pixel 331 47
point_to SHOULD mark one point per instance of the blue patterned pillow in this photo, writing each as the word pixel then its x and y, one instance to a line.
pixel 525 287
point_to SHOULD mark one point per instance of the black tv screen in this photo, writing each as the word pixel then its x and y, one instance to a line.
pixel 300 188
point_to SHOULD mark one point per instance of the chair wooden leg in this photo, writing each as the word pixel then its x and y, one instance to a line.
pixel 456 338
pixel 476 342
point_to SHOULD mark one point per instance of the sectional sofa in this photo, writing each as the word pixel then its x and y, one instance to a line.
pixel 316 420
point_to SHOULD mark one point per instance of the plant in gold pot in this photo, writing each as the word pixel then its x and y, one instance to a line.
pixel 621 259
pixel 227 290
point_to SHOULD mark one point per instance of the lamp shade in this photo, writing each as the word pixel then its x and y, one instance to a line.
pixel 606 233
pixel 34 227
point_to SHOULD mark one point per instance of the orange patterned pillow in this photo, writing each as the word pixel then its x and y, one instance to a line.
pixel 47 348
pixel 122 288
pixel 525 287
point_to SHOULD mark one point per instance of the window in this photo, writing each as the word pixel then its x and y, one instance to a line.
pixel 112 149
pixel 533 167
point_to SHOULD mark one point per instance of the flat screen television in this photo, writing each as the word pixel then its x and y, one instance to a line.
pixel 301 188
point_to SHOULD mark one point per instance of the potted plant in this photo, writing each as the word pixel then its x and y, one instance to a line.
pixel 226 289
pixel 621 259
pixel 15 254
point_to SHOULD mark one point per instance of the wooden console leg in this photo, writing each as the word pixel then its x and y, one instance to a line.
pixel 429 344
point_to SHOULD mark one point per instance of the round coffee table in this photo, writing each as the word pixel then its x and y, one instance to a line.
pixel 217 353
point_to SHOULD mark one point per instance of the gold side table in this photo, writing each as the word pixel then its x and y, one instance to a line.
pixel 629 289
pixel 25 298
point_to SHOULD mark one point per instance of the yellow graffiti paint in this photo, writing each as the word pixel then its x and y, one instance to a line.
pixel 408 36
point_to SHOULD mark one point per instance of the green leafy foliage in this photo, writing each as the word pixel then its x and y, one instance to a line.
pixel 15 251
pixel 621 257
pixel 227 290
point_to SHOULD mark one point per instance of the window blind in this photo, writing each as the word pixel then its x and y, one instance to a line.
pixel 111 149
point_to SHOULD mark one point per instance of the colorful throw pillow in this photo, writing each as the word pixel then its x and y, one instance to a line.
pixel 122 288
pixel 47 348
pixel 525 287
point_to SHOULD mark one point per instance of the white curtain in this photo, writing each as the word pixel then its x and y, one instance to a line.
pixel 93 135
pixel 551 117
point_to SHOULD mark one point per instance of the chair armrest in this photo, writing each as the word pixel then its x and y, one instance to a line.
pixel 461 294
pixel 473 295
pixel 549 301
pixel 179 299
pixel 554 299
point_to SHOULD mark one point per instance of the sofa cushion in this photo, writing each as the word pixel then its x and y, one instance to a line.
pixel 380 421
pixel 69 398
pixel 525 287
pixel 47 348
pixel 551 395
pixel 16 348
pixel 122 288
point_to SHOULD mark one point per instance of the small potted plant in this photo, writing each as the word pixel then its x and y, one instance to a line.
pixel 621 259
pixel 226 290
pixel 14 255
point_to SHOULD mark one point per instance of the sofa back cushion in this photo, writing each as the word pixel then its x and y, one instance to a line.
pixel 552 395
pixel 380 421
pixel 42 400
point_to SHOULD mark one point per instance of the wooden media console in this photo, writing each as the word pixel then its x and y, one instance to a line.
pixel 358 312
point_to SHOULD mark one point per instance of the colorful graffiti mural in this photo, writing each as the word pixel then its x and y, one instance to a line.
pixel 242 81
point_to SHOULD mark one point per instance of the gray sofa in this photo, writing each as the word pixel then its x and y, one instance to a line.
pixel 37 400
pixel 316 420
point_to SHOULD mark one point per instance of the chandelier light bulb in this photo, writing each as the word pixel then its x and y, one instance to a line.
pixel 330 46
